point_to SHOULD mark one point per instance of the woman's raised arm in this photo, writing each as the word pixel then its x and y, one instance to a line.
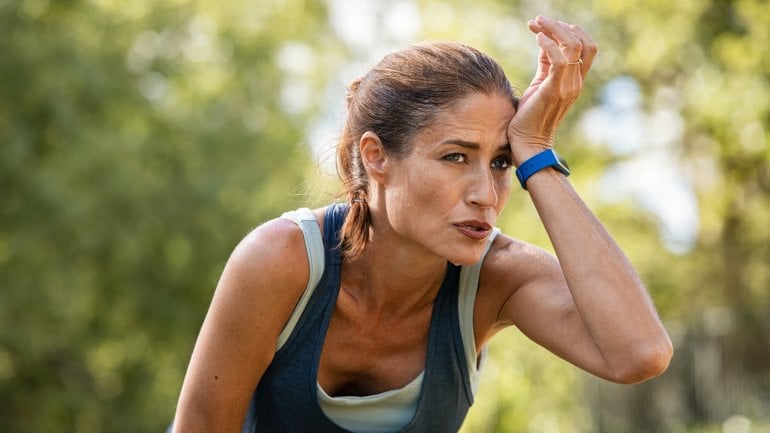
pixel 590 306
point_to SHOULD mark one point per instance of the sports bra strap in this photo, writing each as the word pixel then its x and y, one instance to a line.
pixel 307 222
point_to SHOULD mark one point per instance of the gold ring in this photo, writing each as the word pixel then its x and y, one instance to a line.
pixel 579 61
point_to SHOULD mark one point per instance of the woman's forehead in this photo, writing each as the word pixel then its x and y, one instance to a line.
pixel 478 116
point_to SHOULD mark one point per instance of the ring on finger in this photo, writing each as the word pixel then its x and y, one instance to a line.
pixel 579 61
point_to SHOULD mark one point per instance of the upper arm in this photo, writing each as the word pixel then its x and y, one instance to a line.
pixel 259 287
pixel 524 286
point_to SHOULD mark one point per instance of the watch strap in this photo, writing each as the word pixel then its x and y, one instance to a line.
pixel 544 159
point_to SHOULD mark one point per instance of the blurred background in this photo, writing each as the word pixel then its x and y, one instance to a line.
pixel 140 140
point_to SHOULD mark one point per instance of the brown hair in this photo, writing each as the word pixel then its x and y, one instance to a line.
pixel 397 98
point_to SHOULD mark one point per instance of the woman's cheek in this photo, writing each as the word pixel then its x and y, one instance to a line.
pixel 503 186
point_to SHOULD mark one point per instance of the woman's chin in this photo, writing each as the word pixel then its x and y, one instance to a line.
pixel 466 259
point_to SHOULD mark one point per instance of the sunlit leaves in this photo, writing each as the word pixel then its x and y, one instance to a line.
pixel 140 141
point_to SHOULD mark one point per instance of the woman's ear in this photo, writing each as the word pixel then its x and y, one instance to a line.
pixel 373 156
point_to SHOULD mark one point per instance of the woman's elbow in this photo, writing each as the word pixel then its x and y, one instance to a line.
pixel 646 363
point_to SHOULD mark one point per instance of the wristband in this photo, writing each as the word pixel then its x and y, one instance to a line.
pixel 544 159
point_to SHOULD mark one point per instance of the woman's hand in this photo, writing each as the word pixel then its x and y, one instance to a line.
pixel 566 55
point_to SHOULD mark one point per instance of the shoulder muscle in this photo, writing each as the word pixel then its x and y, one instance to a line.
pixel 510 266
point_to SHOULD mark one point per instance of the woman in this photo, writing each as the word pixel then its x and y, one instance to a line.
pixel 381 326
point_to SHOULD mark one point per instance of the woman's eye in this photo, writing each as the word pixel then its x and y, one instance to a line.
pixel 502 163
pixel 455 157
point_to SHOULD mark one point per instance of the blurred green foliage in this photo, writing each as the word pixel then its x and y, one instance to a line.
pixel 139 141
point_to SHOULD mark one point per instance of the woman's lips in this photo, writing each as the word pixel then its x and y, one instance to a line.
pixel 474 229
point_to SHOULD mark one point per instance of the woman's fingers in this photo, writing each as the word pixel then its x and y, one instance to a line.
pixel 576 45
pixel 551 53
pixel 589 48
pixel 568 40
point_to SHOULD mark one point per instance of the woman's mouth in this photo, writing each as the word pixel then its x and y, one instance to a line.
pixel 474 229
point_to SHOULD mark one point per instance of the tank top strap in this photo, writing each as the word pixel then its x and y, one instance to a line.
pixel 307 222
pixel 469 285
pixel 333 220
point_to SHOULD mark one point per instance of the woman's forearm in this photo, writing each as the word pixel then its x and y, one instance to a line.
pixel 608 294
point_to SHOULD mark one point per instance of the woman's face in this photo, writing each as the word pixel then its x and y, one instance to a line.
pixel 446 194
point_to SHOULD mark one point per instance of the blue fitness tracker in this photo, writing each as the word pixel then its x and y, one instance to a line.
pixel 544 159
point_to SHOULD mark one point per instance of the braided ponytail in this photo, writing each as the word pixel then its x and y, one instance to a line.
pixel 355 231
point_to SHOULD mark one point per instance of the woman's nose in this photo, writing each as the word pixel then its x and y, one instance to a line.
pixel 482 190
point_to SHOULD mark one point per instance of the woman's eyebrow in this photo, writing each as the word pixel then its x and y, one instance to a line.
pixel 462 143
pixel 505 147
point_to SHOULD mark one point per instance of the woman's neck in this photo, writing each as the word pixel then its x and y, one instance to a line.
pixel 392 276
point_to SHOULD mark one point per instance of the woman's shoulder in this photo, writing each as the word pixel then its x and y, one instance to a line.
pixel 266 273
pixel 272 255
pixel 511 263
pixel 506 251
pixel 280 240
